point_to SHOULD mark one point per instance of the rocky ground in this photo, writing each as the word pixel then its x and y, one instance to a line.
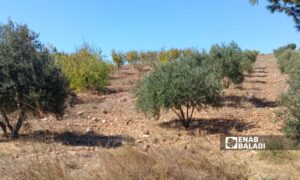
pixel 103 125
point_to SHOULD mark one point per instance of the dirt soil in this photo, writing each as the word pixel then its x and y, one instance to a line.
pixel 108 122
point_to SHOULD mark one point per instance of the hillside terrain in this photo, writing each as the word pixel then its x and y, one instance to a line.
pixel 103 137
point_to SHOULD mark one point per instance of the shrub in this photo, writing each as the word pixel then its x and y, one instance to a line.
pixel 181 86
pixel 249 57
pixel 85 69
pixel 29 80
pixel 283 60
pixel 277 52
pixel 291 100
pixel 228 61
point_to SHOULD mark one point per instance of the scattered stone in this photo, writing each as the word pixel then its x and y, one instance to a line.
pixel 94 119
pixel 128 121
pixel 88 130
pixel 123 99
pixel 155 140
pixel 146 136
pixel 44 119
pixel 103 121
pixel 104 111
pixel 138 141
pixel 79 113
pixel 146 132
pixel 89 117
pixel 146 147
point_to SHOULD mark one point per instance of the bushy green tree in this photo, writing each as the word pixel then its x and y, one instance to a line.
pixel 29 80
pixel 181 86
pixel 85 69
pixel 228 61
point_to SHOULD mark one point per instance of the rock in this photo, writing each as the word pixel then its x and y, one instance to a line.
pixel 146 136
pixel 79 113
pixel 88 130
pixel 138 141
pixel 103 121
pixel 128 121
pixel 94 119
pixel 123 99
pixel 146 147
pixel 44 119
pixel 146 132
pixel 104 111
pixel 89 117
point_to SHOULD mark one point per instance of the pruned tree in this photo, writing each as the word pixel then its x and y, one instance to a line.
pixel 29 80
pixel 182 86
pixel 228 61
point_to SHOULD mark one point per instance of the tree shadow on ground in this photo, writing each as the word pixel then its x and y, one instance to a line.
pixel 211 126
pixel 253 76
pixel 238 101
pixel 110 90
pixel 256 81
pixel 78 139
pixel 260 68
pixel 261 71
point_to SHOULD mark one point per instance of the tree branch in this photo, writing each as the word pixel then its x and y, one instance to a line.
pixel 6 119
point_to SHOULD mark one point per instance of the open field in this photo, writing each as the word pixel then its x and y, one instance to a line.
pixel 103 137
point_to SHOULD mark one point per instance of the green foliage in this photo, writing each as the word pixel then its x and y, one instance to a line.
pixel 291 99
pixel 132 56
pixel 29 80
pixel 183 84
pixel 277 52
pixel 85 69
pixel 118 58
pixel 289 7
pixel 284 61
pixel 249 57
pixel 150 58
pixel 228 61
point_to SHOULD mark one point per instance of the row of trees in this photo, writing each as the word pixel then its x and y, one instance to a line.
pixel 154 58
pixel 289 63
pixel 35 79
pixel 192 81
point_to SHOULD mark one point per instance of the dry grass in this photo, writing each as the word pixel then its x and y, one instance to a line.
pixel 173 162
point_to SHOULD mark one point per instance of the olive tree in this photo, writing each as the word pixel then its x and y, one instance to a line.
pixel 182 86
pixel 29 80
pixel 228 61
